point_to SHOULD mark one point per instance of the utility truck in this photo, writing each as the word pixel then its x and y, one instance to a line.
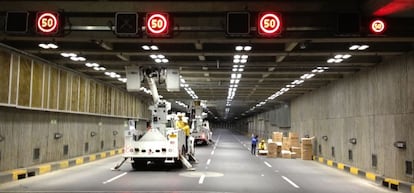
pixel 200 127
pixel 161 143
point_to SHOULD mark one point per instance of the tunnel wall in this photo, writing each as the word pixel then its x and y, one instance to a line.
pixel 39 100
pixel 376 107
pixel 266 123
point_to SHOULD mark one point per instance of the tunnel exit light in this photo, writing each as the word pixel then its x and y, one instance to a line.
pixel 269 24
pixel 378 26
pixel 47 23
pixel 157 24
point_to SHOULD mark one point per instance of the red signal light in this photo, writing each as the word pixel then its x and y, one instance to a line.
pixel 269 24
pixel 47 23
pixel 377 26
pixel 157 24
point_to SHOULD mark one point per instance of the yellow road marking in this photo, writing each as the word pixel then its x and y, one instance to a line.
pixel 16 173
pixel 45 168
pixel 330 163
pixel 64 164
pixel 341 166
pixel 92 158
pixel 354 171
pixel 370 176
pixel 79 161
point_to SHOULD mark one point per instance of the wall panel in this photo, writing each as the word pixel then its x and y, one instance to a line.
pixel 63 87
pixel 14 80
pixel 37 84
pixel 24 82
pixel 82 95
pixel 53 95
pixel 4 76
pixel 75 93
pixel 45 86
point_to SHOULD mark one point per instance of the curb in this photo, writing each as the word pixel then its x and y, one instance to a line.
pixel 397 185
pixel 22 173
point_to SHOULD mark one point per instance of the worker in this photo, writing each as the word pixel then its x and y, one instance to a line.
pixel 262 145
pixel 180 124
pixel 254 143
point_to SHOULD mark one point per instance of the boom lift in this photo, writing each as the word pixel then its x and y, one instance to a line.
pixel 161 143
pixel 200 128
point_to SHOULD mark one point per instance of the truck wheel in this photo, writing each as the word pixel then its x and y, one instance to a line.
pixel 137 164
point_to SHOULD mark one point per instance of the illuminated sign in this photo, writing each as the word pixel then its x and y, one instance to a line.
pixel 157 24
pixel 269 24
pixel 47 23
pixel 377 26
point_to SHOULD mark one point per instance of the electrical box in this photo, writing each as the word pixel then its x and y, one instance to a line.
pixel 17 22
pixel 127 24
pixel 172 80
pixel 238 23
pixel 134 77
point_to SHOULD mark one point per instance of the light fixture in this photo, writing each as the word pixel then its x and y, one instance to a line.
pixel 93 133
pixel 325 138
pixel 48 46
pixel 68 54
pixel 114 133
pixel 400 144
pixel 57 135
pixel 353 141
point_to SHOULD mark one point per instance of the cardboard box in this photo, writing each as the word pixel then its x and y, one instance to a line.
pixel 277 136
pixel 297 151
pixel 306 141
pixel 285 144
pixel 286 154
pixel 293 135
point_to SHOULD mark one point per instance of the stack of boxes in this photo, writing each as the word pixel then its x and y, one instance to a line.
pixel 294 145
pixel 307 149
pixel 289 147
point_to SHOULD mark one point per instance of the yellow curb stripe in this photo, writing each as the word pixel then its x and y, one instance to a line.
pixel 16 173
pixel 45 168
pixel 64 164
pixel 329 162
pixel 111 153
pixel 354 170
pixel 103 155
pixel 392 181
pixel 92 158
pixel 412 189
pixel 341 166
pixel 79 161
pixel 370 176
pixel 321 159
pixel 120 151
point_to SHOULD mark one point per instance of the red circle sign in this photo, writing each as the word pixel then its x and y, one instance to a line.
pixel 157 23
pixel 377 26
pixel 47 22
pixel 269 23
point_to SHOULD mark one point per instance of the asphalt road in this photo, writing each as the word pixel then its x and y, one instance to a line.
pixel 225 166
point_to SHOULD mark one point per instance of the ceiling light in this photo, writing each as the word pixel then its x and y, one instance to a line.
pixel 233 75
pixel 241 70
pixel 158 60
pixel 244 56
pixel 232 81
pixel 239 48
pixel 338 56
pixel 354 47
pixel 234 69
pixel 165 60
pixel 89 64
pixel 247 48
pixel 235 66
pixel 236 56
pixel 160 56
pixel 338 60
pixel 331 60
pixel 66 55
pixel 243 61
pixel 153 47
pixel 109 73
pixel 363 47
pixel 237 81
pixel 236 61
pixel 238 76
pixel 145 47
pixel 153 56
pixel 346 56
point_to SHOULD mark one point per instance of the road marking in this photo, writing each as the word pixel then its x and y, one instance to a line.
pixel 114 178
pixel 290 182
pixel 268 165
pixel 212 152
pixel 208 161
pixel 201 180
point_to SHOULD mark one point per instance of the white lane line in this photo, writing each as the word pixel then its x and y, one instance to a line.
pixel 290 182
pixel 201 180
pixel 212 152
pixel 208 161
pixel 115 178
pixel 268 165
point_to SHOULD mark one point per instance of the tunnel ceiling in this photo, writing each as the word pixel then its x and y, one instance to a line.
pixel 204 53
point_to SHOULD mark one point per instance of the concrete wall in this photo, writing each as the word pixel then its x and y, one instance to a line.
pixel 266 123
pixel 375 106
pixel 38 99
pixel 25 130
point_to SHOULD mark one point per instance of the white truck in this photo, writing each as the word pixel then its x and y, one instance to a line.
pixel 200 128
pixel 161 143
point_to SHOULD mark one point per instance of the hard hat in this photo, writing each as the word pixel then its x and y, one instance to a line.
pixel 262 140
